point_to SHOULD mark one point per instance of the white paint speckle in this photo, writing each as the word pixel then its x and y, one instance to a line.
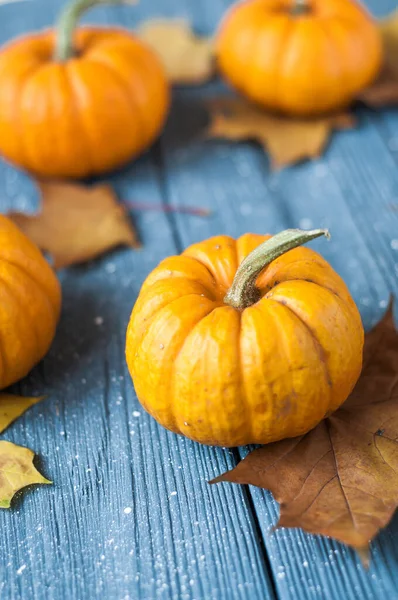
pixel 305 564
pixel 136 413
pixel 99 320
pixel 365 301
pixel 21 569
pixel 394 244
pixel 173 494
pixel 127 510
pixel 161 346
pixel 110 268
pixel 383 303
pixel 281 575
pixel 246 209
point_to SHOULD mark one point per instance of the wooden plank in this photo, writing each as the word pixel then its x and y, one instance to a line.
pixel 342 192
pixel 284 206
pixel 236 183
pixel 130 514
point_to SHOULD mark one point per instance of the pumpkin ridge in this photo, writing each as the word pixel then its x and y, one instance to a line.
pixel 195 295
pixel 3 360
pixel 86 117
pixel 308 280
pixel 281 343
pixel 319 347
pixel 278 61
pixel 124 86
pixel 70 80
pixel 16 121
pixel 212 275
pixel 334 40
pixel 138 346
pixel 245 401
pixel 46 293
pixel 174 370
pixel 18 301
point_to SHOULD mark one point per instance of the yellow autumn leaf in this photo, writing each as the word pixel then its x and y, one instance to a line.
pixel 187 58
pixel 12 407
pixel 16 471
pixel 287 140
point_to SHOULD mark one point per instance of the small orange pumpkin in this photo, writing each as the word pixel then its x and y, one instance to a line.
pixel 299 57
pixel 30 304
pixel 246 341
pixel 79 103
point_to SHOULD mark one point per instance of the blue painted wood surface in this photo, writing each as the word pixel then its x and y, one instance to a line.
pixel 130 515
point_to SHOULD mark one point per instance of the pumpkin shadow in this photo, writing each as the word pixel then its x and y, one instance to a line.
pixel 187 122
pixel 89 320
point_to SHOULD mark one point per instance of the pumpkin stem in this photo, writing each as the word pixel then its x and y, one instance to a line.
pixel 67 23
pixel 243 291
pixel 300 7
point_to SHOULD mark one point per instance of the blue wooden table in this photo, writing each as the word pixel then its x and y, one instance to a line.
pixel 130 515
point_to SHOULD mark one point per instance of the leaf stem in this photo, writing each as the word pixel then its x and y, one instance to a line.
pixel 187 210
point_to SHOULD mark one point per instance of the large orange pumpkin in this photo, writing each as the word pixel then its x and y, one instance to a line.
pixel 300 57
pixel 30 304
pixel 79 103
pixel 244 341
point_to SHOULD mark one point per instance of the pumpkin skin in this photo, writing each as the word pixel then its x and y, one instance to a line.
pixel 304 64
pixel 228 377
pixel 83 116
pixel 30 304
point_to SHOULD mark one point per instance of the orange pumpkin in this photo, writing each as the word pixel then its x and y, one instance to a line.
pixel 299 57
pixel 228 352
pixel 30 304
pixel 79 103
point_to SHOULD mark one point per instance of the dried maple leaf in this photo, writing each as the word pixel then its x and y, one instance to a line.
pixel 12 407
pixel 188 59
pixel 16 471
pixel 287 140
pixel 341 478
pixel 77 223
pixel 384 91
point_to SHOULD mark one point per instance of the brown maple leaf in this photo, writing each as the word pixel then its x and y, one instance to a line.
pixel 287 140
pixel 77 223
pixel 341 478
pixel 187 58
pixel 384 91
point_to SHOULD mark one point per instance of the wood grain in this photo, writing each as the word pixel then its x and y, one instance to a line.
pixel 130 515
pixel 347 191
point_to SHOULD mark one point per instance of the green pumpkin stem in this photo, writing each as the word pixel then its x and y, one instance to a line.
pixel 68 21
pixel 243 291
